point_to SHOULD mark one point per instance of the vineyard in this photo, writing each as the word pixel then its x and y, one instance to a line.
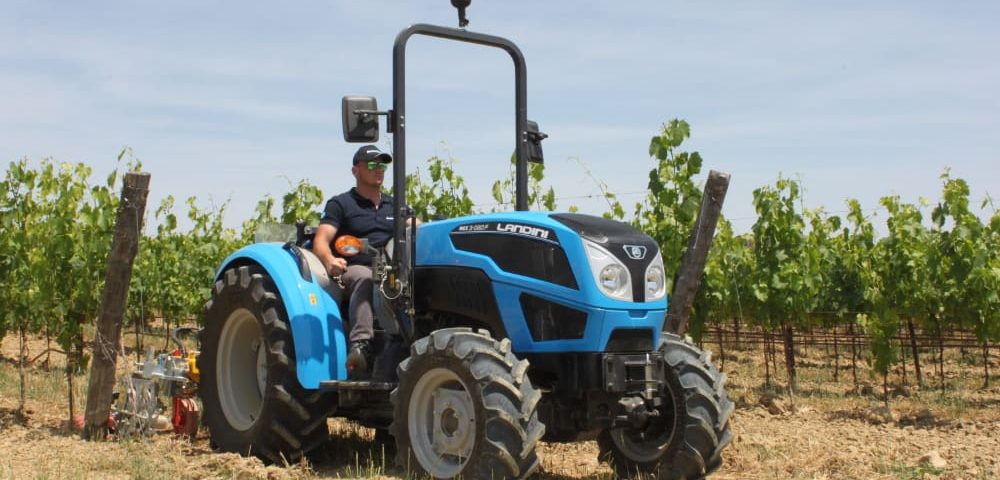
pixel 904 307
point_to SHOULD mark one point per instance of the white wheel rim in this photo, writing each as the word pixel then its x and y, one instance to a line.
pixel 644 447
pixel 441 417
pixel 241 369
pixel 639 451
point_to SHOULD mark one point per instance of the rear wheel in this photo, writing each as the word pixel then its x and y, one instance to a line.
pixel 686 439
pixel 253 402
pixel 465 408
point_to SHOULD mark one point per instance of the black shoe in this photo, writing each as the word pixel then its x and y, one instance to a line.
pixel 358 360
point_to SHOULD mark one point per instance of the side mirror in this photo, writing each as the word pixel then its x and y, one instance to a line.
pixel 535 138
pixel 360 118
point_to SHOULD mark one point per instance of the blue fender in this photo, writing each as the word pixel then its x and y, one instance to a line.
pixel 317 327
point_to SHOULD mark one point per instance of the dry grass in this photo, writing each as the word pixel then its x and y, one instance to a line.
pixel 828 435
pixel 834 433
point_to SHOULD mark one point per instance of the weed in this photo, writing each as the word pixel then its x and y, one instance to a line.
pixel 907 472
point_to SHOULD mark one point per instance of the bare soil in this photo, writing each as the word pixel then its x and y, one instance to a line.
pixel 828 431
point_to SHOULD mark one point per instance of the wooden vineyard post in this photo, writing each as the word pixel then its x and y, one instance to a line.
pixel 986 364
pixel 124 246
pixel 767 357
pixel 788 335
pixel 854 358
pixel 693 263
pixel 916 352
pixel 836 356
pixel 902 362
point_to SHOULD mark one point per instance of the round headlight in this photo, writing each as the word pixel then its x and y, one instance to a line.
pixel 654 282
pixel 613 279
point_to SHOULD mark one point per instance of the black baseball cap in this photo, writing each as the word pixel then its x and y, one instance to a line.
pixel 370 153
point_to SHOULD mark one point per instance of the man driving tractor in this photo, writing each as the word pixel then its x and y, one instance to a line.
pixel 364 211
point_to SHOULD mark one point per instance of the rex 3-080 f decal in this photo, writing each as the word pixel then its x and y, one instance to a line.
pixel 509 228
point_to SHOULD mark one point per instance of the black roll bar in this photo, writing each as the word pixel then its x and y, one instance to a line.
pixel 397 120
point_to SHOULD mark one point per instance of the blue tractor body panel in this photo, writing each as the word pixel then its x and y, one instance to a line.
pixel 316 323
pixel 604 314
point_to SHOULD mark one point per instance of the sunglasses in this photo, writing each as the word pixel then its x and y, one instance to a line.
pixel 379 165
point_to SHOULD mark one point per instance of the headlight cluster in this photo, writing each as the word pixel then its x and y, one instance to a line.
pixel 615 281
pixel 611 274
pixel 656 282
pixel 613 277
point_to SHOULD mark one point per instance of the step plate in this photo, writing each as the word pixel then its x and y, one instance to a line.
pixel 344 385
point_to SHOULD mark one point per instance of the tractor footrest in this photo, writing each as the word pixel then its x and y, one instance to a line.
pixel 342 385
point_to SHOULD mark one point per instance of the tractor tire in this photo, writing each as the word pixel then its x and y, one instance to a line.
pixel 465 408
pixel 253 402
pixel 687 439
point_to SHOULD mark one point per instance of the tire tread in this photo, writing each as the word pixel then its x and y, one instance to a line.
pixel 293 421
pixel 509 402
pixel 704 431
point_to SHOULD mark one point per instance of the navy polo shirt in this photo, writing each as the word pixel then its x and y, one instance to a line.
pixel 352 214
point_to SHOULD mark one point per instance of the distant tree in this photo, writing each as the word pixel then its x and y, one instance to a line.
pixel 539 198
pixel 963 262
pixel 726 286
pixel 784 284
pixel 903 266
pixel 443 194
pixel 671 206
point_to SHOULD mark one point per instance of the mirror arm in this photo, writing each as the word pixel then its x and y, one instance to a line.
pixel 388 115
pixel 536 137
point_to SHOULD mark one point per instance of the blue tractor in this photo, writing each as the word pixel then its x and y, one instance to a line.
pixel 494 332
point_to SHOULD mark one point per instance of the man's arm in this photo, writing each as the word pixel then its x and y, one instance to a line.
pixel 321 247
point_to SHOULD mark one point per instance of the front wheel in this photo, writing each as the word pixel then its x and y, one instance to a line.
pixel 465 407
pixel 685 441
pixel 253 402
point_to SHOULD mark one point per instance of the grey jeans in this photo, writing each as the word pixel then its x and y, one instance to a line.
pixel 358 284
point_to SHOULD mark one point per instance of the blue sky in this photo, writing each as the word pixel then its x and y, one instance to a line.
pixel 231 100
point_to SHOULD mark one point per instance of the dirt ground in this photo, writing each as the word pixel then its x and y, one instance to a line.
pixel 828 431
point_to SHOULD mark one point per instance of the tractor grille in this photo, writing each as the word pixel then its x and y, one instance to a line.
pixel 552 321
pixel 521 255
pixel 630 340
